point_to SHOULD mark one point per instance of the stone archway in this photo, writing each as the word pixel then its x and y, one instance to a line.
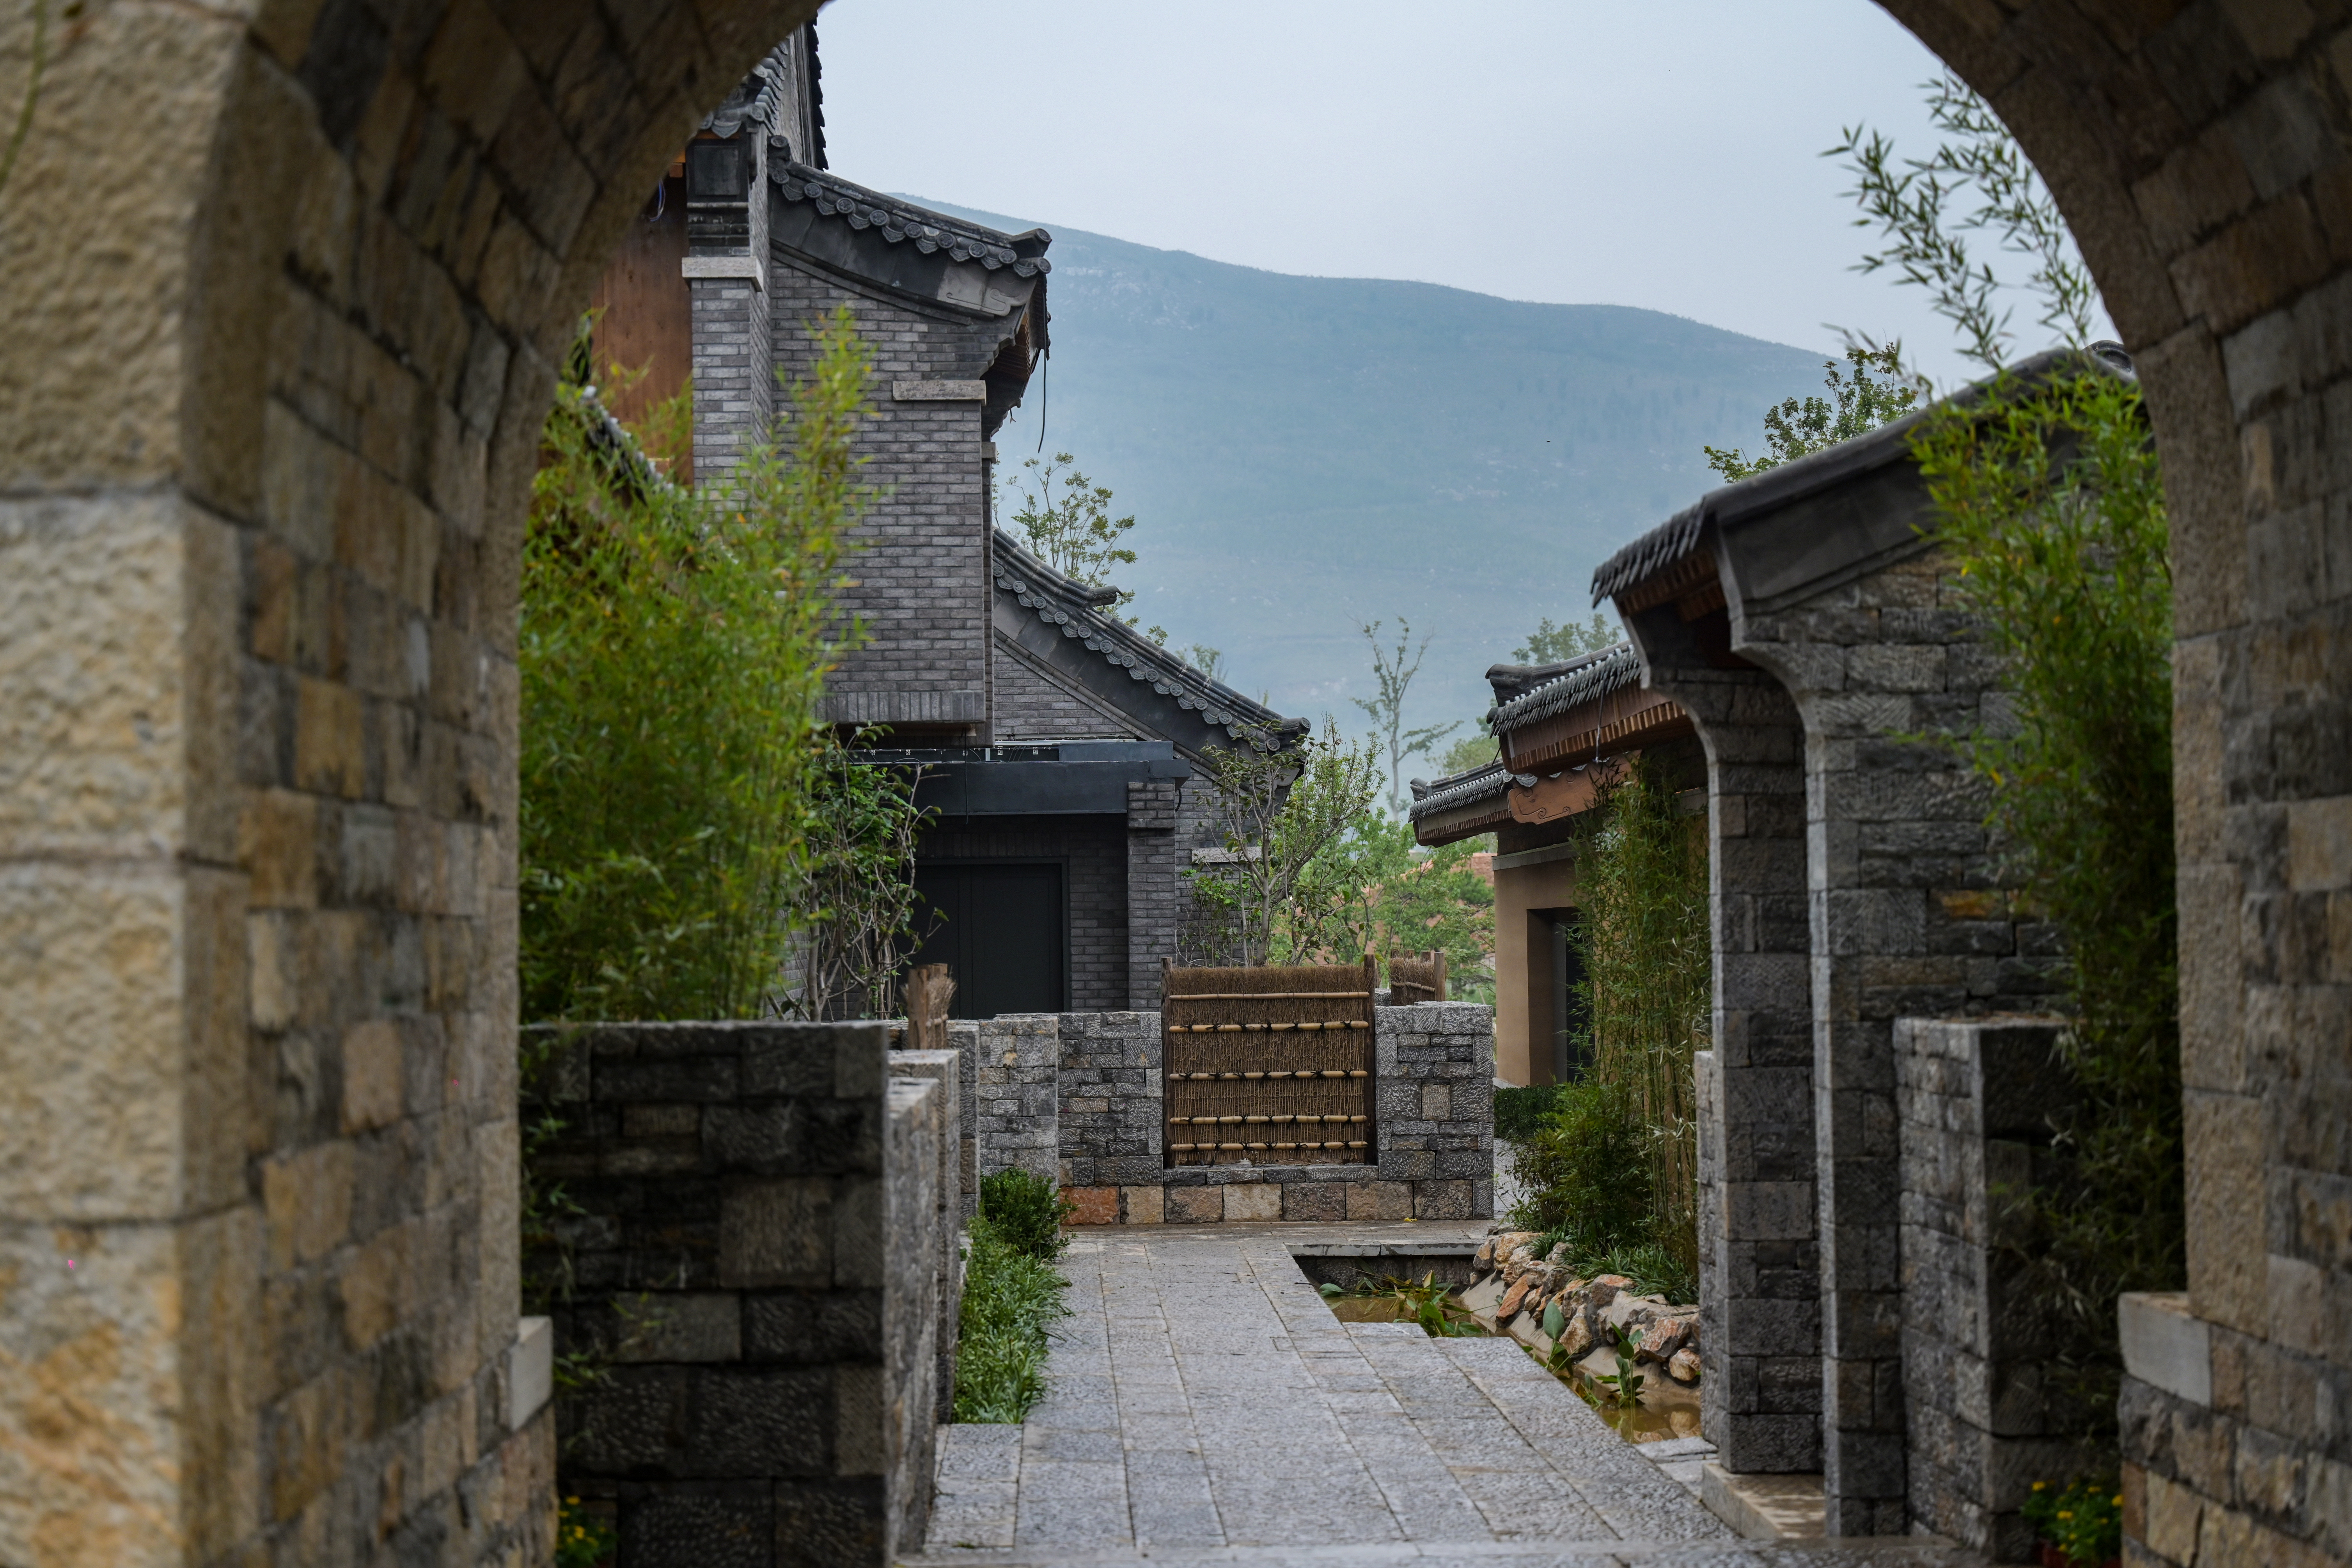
pixel 283 295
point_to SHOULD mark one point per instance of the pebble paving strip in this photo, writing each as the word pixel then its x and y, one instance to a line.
pixel 1205 1406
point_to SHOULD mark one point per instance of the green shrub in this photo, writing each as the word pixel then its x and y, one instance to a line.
pixel 1519 1112
pixel 1648 951
pixel 1010 1295
pixel 1026 1212
pixel 2051 503
pixel 1588 1169
pixel 672 651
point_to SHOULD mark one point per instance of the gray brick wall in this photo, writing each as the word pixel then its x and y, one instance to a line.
pixel 1157 898
pixel 1111 1099
pixel 1031 705
pixel 775 1360
pixel 922 587
pixel 1093 851
pixel 1017 1115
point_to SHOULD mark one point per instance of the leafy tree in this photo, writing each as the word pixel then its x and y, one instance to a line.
pixel 1549 644
pixel 672 651
pixel 1073 530
pixel 1395 676
pixel 856 898
pixel 1208 660
pixel 1912 204
pixel 1279 812
pixel 1854 407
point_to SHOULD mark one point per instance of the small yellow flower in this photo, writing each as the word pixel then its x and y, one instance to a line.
pixel 575 1501
pixel 2119 1500
pixel 2064 1514
pixel 2038 1486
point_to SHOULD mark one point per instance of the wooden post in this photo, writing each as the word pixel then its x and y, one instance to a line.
pixel 1437 973
pixel 929 989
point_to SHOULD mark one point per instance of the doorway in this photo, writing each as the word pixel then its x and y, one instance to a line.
pixel 1002 930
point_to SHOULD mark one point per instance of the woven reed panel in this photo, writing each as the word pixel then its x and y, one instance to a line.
pixel 1416 977
pixel 1271 1065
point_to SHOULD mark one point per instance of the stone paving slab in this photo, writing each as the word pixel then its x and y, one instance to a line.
pixel 1897 1551
pixel 1204 1406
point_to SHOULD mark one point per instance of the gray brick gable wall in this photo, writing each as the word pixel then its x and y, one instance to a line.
pixel 920 580
pixel 1032 704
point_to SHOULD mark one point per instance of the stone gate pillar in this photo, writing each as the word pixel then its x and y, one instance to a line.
pixel 1758 1270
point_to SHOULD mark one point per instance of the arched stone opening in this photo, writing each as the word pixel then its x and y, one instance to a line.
pixel 286 290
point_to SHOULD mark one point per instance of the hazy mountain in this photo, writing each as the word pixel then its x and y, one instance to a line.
pixel 1306 454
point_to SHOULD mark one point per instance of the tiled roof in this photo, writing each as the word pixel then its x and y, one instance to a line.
pixel 756 98
pixel 901 222
pixel 1679 535
pixel 1073 606
pixel 1456 791
pixel 1587 680
pixel 607 434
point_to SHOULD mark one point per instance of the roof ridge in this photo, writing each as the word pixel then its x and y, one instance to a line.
pixel 1481 782
pixel 901 220
pixel 1064 602
pixel 1609 671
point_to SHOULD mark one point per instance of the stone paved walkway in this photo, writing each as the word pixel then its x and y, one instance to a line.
pixel 1206 1407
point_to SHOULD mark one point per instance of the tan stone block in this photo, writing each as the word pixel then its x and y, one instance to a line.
pixel 278 848
pixel 1194 1205
pixel 1379 1200
pixel 1254 1201
pixel 2228 1260
pixel 1092 1206
pixel 1142 1206
pixel 307 1197
pixel 329 739
pixel 2174 1512
pixel 375 1072
pixel 94 1060
pixel 378 1285
pixel 2319 845
pixel 95 396
pixel 306 1443
pixel 2212 977
pixel 497 1264
pixel 91 1443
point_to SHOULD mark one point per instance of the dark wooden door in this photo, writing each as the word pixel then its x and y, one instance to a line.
pixel 1001 935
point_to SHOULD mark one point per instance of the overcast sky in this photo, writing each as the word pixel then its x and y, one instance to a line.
pixel 1662 153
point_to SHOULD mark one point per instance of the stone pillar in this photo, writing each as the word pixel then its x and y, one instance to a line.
pixel 1759 1279
pixel 1982 1422
pixel 1155 889
pixel 1017 1116
pixel 1110 1112
pixel 963 1039
pixel 1904 915
pixel 1434 1072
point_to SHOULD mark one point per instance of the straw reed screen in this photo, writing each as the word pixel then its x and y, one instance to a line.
pixel 1272 1067
pixel 1417 977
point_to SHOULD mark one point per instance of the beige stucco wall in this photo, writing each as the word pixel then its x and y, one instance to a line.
pixel 1523 967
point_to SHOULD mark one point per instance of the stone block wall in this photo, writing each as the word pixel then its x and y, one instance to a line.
pixel 1435 1066
pixel 758 1257
pixel 1111 1099
pixel 945 1069
pixel 1982 1421
pixel 1906 917
pixel 963 1039
pixel 1016 1111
